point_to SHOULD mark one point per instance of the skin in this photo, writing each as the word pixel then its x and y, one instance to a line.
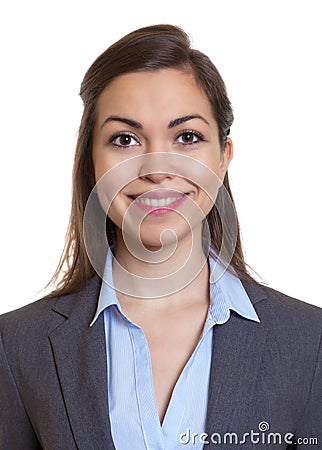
pixel 154 99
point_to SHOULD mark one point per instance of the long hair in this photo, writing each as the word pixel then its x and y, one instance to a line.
pixel 146 49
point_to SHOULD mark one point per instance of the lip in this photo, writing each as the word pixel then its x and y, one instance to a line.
pixel 159 194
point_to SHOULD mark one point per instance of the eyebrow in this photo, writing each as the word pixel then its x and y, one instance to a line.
pixel 134 124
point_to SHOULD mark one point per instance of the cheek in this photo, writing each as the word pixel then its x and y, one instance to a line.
pixel 118 210
pixel 103 159
pixel 101 166
pixel 115 213
pixel 205 203
pixel 213 162
pixel 108 189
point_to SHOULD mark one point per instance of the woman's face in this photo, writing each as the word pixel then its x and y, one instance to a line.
pixel 143 113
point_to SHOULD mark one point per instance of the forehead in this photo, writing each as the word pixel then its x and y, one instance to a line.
pixel 163 93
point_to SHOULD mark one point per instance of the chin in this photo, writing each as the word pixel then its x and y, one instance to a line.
pixel 170 236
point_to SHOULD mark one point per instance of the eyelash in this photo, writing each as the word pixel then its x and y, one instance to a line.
pixel 196 134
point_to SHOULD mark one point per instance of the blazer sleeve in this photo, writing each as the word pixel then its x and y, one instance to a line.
pixel 16 432
pixel 309 431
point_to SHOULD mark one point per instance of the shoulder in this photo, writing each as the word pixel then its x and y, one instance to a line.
pixel 33 313
pixel 284 306
pixel 44 315
pixel 287 318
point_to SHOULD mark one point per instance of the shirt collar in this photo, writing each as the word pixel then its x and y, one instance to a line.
pixel 107 296
pixel 227 293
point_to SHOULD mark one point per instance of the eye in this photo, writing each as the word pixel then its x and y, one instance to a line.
pixel 124 140
pixel 189 137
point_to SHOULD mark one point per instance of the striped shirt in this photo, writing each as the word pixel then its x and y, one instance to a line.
pixel 133 412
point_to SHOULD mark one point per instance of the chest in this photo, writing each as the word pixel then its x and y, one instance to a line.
pixel 171 340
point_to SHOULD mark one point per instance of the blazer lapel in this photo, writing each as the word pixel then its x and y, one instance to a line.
pixel 80 356
pixel 237 349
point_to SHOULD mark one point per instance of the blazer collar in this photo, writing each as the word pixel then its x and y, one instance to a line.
pixel 80 357
pixel 236 360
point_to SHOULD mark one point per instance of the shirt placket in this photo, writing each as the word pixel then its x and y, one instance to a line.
pixel 145 390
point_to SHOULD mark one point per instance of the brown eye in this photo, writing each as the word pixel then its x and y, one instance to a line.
pixel 124 140
pixel 189 137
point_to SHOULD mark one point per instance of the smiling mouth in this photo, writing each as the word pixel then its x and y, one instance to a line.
pixel 156 203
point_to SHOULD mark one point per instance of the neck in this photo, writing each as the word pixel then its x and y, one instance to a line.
pixel 162 273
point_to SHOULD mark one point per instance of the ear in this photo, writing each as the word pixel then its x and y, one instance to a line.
pixel 225 158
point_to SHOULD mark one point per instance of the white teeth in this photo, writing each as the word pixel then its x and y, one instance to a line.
pixel 157 203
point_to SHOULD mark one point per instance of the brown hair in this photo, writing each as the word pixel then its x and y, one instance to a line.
pixel 146 49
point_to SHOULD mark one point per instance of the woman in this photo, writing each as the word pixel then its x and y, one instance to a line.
pixel 178 346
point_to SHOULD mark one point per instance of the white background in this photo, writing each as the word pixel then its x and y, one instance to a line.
pixel 269 54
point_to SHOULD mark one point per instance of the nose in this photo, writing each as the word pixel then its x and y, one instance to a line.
pixel 157 167
pixel 156 178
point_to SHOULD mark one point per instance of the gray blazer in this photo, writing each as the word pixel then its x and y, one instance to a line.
pixel 53 391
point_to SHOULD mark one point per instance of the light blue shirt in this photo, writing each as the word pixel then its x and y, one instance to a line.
pixel 133 413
